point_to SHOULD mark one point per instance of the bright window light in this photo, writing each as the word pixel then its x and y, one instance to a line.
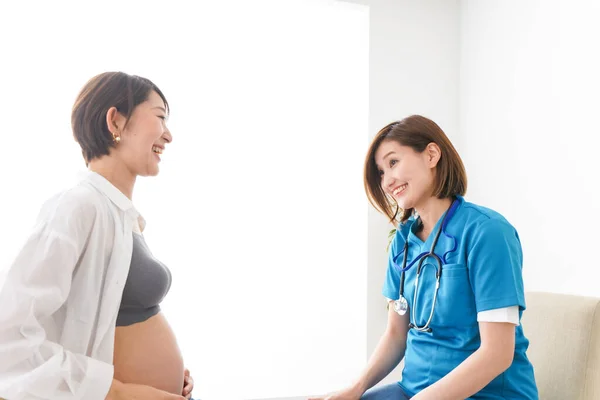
pixel 259 210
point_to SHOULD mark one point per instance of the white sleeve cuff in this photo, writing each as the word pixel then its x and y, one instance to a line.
pixel 506 314
pixel 99 377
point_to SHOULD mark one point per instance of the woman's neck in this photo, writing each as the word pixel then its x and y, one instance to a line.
pixel 430 212
pixel 116 173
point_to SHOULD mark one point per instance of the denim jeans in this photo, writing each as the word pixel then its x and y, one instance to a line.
pixel 387 392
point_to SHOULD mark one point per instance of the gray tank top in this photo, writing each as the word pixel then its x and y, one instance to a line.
pixel 147 284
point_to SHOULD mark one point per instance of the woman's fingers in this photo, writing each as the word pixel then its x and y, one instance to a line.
pixel 189 385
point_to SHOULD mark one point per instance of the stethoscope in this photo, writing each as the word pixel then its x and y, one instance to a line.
pixel 401 305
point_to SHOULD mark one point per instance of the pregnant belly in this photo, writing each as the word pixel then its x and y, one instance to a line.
pixel 147 353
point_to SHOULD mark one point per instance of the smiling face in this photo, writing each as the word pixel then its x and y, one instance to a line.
pixel 404 168
pixel 406 175
pixel 143 137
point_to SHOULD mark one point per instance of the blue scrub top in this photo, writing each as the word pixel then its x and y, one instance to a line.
pixel 482 270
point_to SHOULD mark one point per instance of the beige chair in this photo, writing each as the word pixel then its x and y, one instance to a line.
pixel 564 335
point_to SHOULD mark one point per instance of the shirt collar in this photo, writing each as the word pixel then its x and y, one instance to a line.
pixel 114 194
pixel 407 228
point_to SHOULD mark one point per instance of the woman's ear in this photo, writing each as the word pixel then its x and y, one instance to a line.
pixel 433 153
pixel 114 121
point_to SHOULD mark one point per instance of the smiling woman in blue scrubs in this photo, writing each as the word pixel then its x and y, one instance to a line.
pixel 463 338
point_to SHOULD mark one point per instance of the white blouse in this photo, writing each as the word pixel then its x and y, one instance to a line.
pixel 62 293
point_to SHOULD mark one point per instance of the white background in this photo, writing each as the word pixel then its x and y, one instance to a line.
pixel 259 209
pixel 513 83
pixel 529 109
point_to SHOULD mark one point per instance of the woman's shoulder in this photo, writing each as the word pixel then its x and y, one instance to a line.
pixel 76 197
pixel 484 219
pixel 79 203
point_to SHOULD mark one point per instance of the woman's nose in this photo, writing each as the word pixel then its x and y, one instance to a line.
pixel 168 136
pixel 388 182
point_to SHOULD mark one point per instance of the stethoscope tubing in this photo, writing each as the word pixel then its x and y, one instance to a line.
pixel 438 274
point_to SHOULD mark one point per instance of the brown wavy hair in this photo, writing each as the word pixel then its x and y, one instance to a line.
pixel 415 132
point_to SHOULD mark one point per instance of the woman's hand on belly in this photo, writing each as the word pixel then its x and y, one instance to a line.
pixel 188 384
pixel 131 391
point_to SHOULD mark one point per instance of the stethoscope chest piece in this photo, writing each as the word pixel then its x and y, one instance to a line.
pixel 401 305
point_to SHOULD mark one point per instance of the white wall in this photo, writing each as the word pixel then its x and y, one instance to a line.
pixel 259 208
pixel 413 69
pixel 529 90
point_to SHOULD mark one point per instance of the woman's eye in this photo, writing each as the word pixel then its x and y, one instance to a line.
pixel 162 117
pixel 393 162
pixel 380 172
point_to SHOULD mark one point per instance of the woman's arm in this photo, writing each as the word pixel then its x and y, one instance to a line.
pixel 388 353
pixel 493 357
pixel 37 285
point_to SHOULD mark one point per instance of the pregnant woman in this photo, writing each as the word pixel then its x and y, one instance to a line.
pixel 80 315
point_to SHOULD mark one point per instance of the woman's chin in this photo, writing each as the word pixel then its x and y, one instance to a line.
pixel 403 203
pixel 150 171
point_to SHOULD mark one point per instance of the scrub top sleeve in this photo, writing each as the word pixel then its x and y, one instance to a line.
pixel 391 287
pixel 495 263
